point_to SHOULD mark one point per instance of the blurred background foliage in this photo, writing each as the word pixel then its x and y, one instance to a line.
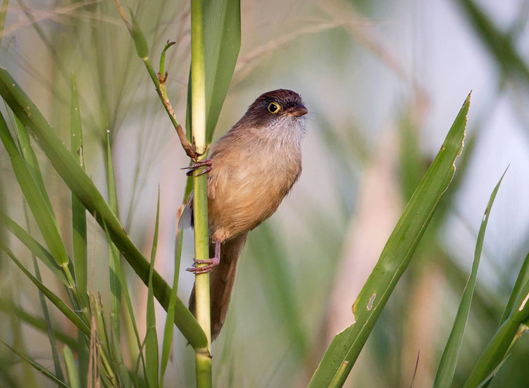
pixel 382 81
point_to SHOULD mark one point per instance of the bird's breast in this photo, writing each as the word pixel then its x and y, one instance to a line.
pixel 246 186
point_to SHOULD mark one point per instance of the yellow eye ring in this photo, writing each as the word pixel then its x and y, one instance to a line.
pixel 274 107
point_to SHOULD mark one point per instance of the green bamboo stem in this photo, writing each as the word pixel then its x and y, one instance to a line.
pixel 198 119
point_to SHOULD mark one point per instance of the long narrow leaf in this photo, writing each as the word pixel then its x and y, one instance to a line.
pixel 521 281
pixel 38 323
pixel 79 237
pixel 31 161
pixel 447 366
pixel 114 262
pixel 83 188
pixel 151 338
pixel 63 307
pixel 115 306
pixel 34 169
pixel 33 245
pixel 49 325
pixel 222 42
pixel 346 346
pixel 503 340
pixel 38 367
pixel 39 207
pixel 71 368
pixel 168 328
pixel 79 241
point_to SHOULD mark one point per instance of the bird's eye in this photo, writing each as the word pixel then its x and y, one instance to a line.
pixel 274 107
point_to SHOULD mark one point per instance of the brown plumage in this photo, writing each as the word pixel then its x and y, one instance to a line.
pixel 253 167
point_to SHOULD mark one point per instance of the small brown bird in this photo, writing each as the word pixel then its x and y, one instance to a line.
pixel 250 170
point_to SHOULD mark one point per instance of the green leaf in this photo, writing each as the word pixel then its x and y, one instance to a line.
pixel 168 328
pixel 63 307
pixel 222 43
pixel 6 305
pixel 346 346
pixel 521 281
pixel 79 236
pixel 114 258
pixel 151 338
pixel 79 240
pixel 33 166
pixel 486 381
pixel 162 57
pixel 71 368
pixel 47 319
pixel 39 207
pixel 31 160
pixel 83 188
pixel 498 348
pixel 142 49
pixel 102 337
pixel 38 367
pixel 447 366
pixel 34 246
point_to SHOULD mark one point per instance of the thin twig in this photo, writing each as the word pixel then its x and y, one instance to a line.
pixel 189 148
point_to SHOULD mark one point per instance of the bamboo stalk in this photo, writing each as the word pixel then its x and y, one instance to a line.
pixel 200 210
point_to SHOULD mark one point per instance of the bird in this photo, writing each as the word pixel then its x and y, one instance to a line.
pixel 250 170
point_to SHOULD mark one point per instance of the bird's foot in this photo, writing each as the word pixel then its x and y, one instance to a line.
pixel 211 264
pixel 203 163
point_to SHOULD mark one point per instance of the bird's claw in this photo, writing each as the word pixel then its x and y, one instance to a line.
pixel 211 264
pixel 203 163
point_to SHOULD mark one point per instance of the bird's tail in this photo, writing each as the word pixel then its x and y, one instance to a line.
pixel 221 282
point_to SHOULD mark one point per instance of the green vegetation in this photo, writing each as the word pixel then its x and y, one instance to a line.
pixel 85 228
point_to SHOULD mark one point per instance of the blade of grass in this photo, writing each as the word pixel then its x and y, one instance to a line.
pixel 151 338
pixel 38 367
pixel 394 259
pixel 18 338
pixel 486 382
pixel 503 340
pixel 34 246
pixel 79 242
pixel 168 328
pixel 79 237
pixel 114 261
pixel 83 188
pixel 497 349
pixel 31 160
pixel 47 319
pixel 63 307
pixel 115 350
pixel 521 281
pixel 71 368
pixel 222 42
pixel 103 341
pixel 130 314
pixel 7 305
pixel 39 207
pixel 447 366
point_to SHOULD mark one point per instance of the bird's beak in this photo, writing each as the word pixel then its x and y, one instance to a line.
pixel 297 111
